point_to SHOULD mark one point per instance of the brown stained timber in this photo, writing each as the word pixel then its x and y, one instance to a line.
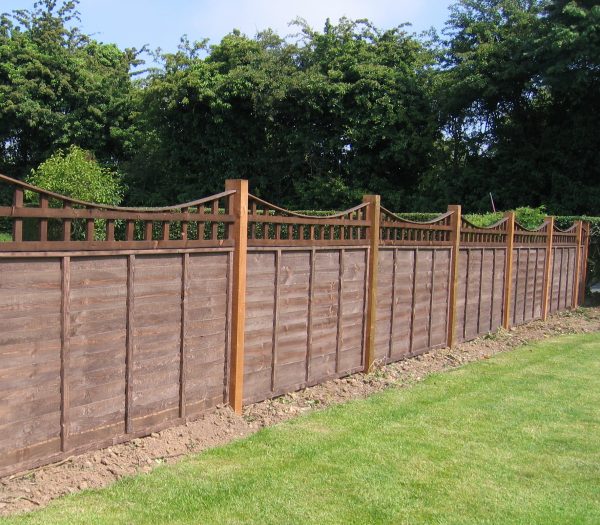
pixel 164 270
pixel 455 235
pixel 494 254
pixel 18 223
pixel 276 286
pixel 393 304
pixel 239 207
pixel 508 269
pixel 480 290
pixel 413 300
pixel 185 262
pixel 340 311
pixel 311 299
pixel 374 210
pixel 129 343
pixel 431 293
pixel 65 353
pixel 577 269
pixel 516 292
pixel 548 269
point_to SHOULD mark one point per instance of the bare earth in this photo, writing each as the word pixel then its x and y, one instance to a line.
pixel 34 489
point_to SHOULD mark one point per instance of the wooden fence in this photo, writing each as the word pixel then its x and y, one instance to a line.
pixel 118 322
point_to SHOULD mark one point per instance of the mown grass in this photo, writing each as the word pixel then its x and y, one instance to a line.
pixel 5 237
pixel 513 439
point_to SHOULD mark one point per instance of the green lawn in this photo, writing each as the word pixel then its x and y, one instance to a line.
pixel 5 237
pixel 513 439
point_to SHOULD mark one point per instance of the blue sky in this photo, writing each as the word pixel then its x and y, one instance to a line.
pixel 160 23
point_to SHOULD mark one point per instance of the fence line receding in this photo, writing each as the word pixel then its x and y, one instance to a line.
pixel 118 322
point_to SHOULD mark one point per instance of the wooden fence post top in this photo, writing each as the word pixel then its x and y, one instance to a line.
pixel 455 208
pixel 240 185
pixel 375 199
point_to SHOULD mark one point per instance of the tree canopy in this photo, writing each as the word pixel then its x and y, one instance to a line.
pixel 504 101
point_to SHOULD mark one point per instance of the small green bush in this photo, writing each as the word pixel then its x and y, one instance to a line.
pixel 75 173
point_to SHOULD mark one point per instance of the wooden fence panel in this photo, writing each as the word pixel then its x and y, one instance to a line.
pixel 97 346
pixel 395 297
pixel 207 334
pixel 156 340
pixel 387 301
pixel 292 321
pixel 438 328
pixel 353 305
pixel 30 349
pixel 108 335
pixel 260 314
pixel 562 278
pixel 305 318
pixel 480 291
pixel 324 327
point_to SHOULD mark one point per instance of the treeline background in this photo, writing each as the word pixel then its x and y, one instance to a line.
pixel 504 101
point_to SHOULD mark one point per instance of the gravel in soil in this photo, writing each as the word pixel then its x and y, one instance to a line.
pixel 34 489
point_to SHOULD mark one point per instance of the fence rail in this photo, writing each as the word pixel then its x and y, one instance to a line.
pixel 117 322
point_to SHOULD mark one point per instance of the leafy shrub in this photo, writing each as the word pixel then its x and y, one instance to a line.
pixel 76 174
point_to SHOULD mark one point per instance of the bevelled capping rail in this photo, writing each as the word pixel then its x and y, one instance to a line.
pixel 270 225
pixel 396 230
pixel 495 234
pixel 531 236
pixel 45 221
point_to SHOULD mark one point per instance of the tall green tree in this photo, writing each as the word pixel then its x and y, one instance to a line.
pixel 517 97
pixel 315 122
pixel 60 87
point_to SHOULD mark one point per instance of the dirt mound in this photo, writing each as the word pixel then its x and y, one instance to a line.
pixel 33 489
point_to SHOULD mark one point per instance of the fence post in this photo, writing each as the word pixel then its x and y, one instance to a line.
pixel 510 242
pixel 18 223
pixel 455 223
pixel 585 241
pixel 374 214
pixel 239 209
pixel 577 277
pixel 548 269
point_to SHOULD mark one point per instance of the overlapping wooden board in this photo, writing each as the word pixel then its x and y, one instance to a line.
pixel 562 278
pixel 206 341
pixel 527 284
pixel 480 291
pixel 97 348
pixel 412 301
pixel 304 318
pixel 30 348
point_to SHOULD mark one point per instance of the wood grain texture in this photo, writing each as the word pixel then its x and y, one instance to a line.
pixel 508 271
pixel 107 340
pixel 374 218
pixel 98 337
pixel 548 270
pixel 260 311
pixel 31 316
pixel 455 223
pixel 238 204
